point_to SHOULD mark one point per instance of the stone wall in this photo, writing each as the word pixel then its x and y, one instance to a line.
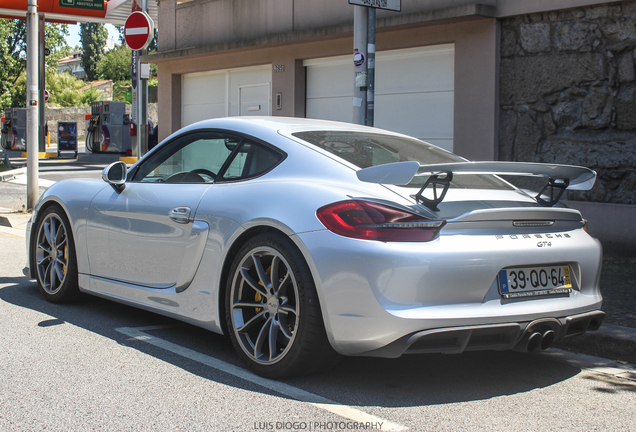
pixel 568 94
pixel 54 115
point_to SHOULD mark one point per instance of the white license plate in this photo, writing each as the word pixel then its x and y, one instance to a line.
pixel 534 281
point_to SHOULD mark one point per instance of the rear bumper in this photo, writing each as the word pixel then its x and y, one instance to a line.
pixel 498 337
pixel 376 294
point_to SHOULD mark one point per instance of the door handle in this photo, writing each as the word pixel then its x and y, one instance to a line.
pixel 180 215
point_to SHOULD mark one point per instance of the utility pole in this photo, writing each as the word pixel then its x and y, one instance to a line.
pixel 370 67
pixel 364 56
pixel 32 137
pixel 41 83
pixel 360 18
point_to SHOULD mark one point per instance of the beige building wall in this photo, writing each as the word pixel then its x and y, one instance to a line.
pixel 475 104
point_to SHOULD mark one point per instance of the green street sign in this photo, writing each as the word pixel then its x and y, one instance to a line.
pixel 129 97
pixel 83 4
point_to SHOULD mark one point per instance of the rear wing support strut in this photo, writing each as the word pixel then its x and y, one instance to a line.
pixel 443 180
pixel 556 187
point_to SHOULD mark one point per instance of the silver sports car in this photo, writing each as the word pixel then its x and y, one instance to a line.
pixel 303 240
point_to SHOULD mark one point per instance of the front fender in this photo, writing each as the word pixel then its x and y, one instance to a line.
pixel 74 197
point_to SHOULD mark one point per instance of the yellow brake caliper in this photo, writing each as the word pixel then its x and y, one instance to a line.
pixel 65 258
pixel 258 297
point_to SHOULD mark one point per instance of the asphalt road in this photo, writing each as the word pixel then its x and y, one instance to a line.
pixel 13 194
pixel 99 365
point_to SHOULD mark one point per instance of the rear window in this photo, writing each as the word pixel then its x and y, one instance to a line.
pixel 365 150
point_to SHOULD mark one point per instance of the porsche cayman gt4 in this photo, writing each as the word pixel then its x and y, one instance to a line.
pixel 304 240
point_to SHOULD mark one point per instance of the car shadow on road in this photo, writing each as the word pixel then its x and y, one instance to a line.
pixel 413 380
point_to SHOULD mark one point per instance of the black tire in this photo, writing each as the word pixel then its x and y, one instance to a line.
pixel 275 324
pixel 54 258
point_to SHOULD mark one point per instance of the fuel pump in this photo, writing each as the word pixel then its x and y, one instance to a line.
pixel 108 128
pixel 6 131
pixel 14 129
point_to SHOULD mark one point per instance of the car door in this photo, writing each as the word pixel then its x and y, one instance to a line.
pixel 143 234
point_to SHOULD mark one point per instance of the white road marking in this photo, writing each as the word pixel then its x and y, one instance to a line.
pixel 345 411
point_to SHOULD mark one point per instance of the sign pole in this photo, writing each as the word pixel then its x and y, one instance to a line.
pixel 138 32
pixel 360 17
pixel 143 87
pixel 32 104
pixel 135 99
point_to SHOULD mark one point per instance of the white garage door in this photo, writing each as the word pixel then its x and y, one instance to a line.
pixel 245 91
pixel 414 91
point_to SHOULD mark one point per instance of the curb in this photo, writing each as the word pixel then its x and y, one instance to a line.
pixel 11 174
pixel 12 219
pixel 617 332
pixel 592 363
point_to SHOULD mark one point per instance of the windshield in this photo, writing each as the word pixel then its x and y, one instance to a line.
pixel 365 150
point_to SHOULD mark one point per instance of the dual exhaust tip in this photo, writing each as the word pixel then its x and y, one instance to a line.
pixel 535 341
pixel 541 334
pixel 540 341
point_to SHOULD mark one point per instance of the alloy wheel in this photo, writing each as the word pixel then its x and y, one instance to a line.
pixel 52 253
pixel 264 305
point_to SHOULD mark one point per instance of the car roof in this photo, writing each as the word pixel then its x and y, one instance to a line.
pixel 257 125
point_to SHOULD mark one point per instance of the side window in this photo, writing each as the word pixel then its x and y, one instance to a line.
pixel 196 158
pixel 251 160
pixel 207 157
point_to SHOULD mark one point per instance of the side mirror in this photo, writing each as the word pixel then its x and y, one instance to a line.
pixel 115 175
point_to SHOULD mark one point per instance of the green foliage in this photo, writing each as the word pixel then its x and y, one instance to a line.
pixel 13 58
pixel 93 38
pixel 115 64
pixel 119 90
pixel 64 90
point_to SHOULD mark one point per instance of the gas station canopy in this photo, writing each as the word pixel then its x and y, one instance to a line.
pixel 114 11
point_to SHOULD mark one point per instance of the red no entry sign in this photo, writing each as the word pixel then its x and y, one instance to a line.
pixel 138 30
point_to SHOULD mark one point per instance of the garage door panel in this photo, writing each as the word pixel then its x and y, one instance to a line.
pixel 335 80
pixel 433 113
pixel 414 91
pixel 420 73
pixel 204 88
pixel 195 113
pixel 338 109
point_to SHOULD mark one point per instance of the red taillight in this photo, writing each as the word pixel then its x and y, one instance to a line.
pixel 371 221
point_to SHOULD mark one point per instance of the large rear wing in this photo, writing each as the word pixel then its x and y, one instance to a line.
pixel 559 177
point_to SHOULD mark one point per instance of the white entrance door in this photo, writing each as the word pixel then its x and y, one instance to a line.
pixel 255 100
pixel 213 94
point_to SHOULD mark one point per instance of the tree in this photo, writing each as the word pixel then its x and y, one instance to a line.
pixel 93 38
pixel 13 58
pixel 65 90
pixel 115 64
